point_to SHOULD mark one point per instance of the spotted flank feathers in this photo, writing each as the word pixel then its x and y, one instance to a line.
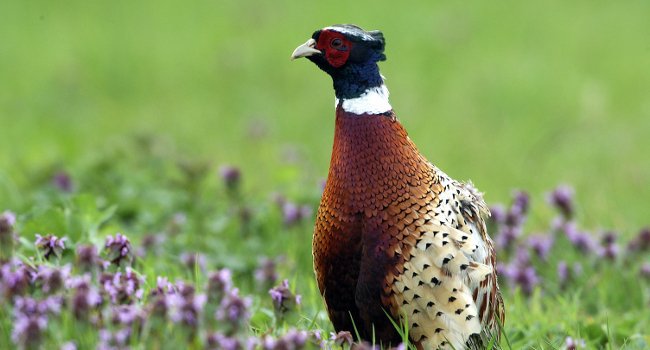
pixel 445 269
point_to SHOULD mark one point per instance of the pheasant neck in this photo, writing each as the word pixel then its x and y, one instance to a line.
pixel 373 162
pixel 353 80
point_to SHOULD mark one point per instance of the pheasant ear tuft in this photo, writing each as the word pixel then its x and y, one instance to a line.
pixel 379 43
pixel 378 35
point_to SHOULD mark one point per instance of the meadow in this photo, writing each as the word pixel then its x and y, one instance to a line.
pixel 186 129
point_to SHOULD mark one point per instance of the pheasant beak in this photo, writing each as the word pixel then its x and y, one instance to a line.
pixel 306 49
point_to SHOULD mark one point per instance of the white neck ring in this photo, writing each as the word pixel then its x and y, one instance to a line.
pixel 372 101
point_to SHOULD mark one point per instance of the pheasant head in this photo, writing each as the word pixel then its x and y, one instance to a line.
pixel 349 55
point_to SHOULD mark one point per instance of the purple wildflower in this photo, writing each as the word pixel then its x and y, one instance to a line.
pixel 149 244
pixel 84 298
pixel 565 275
pixel 579 239
pixel 341 338
pixel 266 274
pixel 573 344
pixel 316 339
pixel 642 241
pixel 159 305
pixel 122 336
pixel 562 199
pixel 105 339
pixel 54 303
pixel 7 222
pixel 507 236
pixel 51 279
pixel 62 181
pixel 321 185
pixel 28 330
pixel 30 319
pixel 50 245
pixel 541 245
pixel 498 214
pixel 14 279
pixel 609 248
pixel 293 214
pixel 111 340
pixel 290 213
pixel 293 339
pixel 118 249
pixel 193 261
pixel 219 283
pixel 514 217
pixel 122 288
pixel 252 343
pixel 163 286
pixel 608 238
pixel 305 211
pixel 269 343
pixel 520 206
pixel 520 272
pixel 87 258
pixel 69 346
pixel 522 256
pixel 186 306
pixel 234 309
pixel 231 176
pixel 127 315
pixel 279 199
pixel 558 224
pixel 509 224
pixel 29 306
pixel 645 271
pixel 219 341
pixel 184 289
pixel 526 278
pixel 296 337
pixel 283 299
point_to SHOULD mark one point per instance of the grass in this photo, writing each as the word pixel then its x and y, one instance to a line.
pixel 140 103
pixel 184 223
pixel 525 95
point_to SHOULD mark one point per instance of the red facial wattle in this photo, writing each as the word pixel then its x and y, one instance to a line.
pixel 335 46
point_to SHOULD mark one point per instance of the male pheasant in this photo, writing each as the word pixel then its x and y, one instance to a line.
pixel 396 239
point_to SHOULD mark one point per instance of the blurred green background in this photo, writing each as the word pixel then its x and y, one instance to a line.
pixel 510 94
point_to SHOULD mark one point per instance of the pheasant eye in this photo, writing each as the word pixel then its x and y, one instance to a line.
pixel 336 43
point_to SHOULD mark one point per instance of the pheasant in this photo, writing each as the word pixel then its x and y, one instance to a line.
pixel 397 242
